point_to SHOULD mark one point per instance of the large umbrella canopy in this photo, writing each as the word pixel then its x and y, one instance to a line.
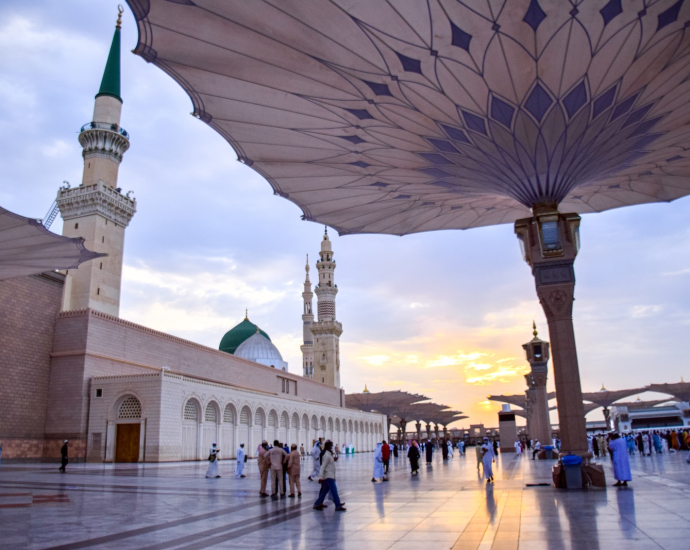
pixel 679 390
pixel 399 117
pixel 28 248
pixel 605 398
pixel 386 402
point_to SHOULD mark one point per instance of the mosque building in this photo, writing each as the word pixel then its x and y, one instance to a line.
pixel 118 391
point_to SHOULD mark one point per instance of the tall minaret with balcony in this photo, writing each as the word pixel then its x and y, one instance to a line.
pixel 307 321
pixel 326 330
pixel 96 210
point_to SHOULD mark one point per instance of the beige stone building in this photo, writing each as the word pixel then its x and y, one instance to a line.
pixel 72 369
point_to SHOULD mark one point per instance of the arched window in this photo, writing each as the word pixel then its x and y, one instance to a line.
pixel 210 413
pixel 130 408
pixel 227 414
pixel 305 422
pixel 272 419
pixel 244 416
pixel 295 421
pixel 190 410
pixel 284 420
pixel 258 418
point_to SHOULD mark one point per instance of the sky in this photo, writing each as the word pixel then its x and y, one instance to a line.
pixel 442 314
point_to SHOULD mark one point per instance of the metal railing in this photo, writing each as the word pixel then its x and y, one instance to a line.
pixel 105 126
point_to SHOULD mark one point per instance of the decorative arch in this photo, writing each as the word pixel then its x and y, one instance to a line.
pixel 259 418
pixel 337 424
pixel 322 424
pixel 273 419
pixel 305 422
pixel 295 421
pixel 212 412
pixel 314 422
pixel 284 420
pixel 349 426
pixel 246 416
pixel 191 410
pixel 230 414
pixel 129 408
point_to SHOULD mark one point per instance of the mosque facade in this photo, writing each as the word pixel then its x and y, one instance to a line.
pixel 123 392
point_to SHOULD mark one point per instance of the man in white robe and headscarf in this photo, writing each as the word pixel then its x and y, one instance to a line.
pixel 621 462
pixel 646 444
pixel 488 459
pixel 213 461
pixel 316 456
pixel 450 449
pixel 378 464
pixel 518 447
pixel 240 461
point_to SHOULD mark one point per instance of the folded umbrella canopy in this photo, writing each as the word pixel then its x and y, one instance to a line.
pixel 28 248
pixel 400 117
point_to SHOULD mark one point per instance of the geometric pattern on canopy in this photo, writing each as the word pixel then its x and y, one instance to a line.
pixel 28 248
pixel 400 117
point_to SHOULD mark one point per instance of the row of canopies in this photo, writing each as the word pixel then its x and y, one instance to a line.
pixel 401 407
pixel 679 391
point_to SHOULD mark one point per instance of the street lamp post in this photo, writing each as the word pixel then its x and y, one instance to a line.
pixel 550 241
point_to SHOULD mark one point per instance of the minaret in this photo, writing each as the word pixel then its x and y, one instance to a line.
pixel 537 352
pixel 307 320
pixel 326 330
pixel 96 210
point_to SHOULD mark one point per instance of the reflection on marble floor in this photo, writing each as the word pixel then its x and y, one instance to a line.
pixel 166 506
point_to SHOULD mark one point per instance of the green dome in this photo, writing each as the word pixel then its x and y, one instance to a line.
pixel 236 335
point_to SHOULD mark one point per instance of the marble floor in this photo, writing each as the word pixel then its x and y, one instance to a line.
pixel 173 506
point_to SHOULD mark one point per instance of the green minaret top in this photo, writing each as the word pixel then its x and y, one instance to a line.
pixel 110 85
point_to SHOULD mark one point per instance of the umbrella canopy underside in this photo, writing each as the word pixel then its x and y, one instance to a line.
pixel 401 117
pixel 28 248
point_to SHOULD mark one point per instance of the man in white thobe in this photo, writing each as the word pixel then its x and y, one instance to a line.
pixel 461 447
pixel 213 461
pixel 518 447
pixel 621 462
pixel 378 464
pixel 316 456
pixel 488 459
pixel 240 461
pixel 646 444
pixel 450 449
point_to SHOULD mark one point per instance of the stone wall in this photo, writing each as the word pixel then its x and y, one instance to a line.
pixel 90 344
pixel 28 309
pixel 164 396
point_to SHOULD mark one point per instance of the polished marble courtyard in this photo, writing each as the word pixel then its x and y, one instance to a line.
pixel 173 506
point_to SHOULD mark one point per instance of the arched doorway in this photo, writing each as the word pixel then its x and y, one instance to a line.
pixel 227 432
pixel 243 431
pixel 210 426
pixel 190 430
pixel 128 430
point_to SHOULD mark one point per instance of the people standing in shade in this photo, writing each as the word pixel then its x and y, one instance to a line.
pixel 395 450
pixel 378 464
pixel 646 446
pixel 316 456
pixel 495 445
pixel 595 446
pixel 212 470
pixel 444 450
pixel 327 479
pixel 621 462
pixel 293 467
pixel 536 448
pixel 63 453
pixel 264 466
pixel 429 450
pixel 488 458
pixel 413 456
pixel 277 457
pixel 241 459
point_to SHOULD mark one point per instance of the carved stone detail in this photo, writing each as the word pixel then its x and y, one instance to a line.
pixel 100 142
pixel 98 198
pixel 557 302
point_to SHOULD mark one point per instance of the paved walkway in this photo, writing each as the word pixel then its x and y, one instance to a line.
pixel 172 506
